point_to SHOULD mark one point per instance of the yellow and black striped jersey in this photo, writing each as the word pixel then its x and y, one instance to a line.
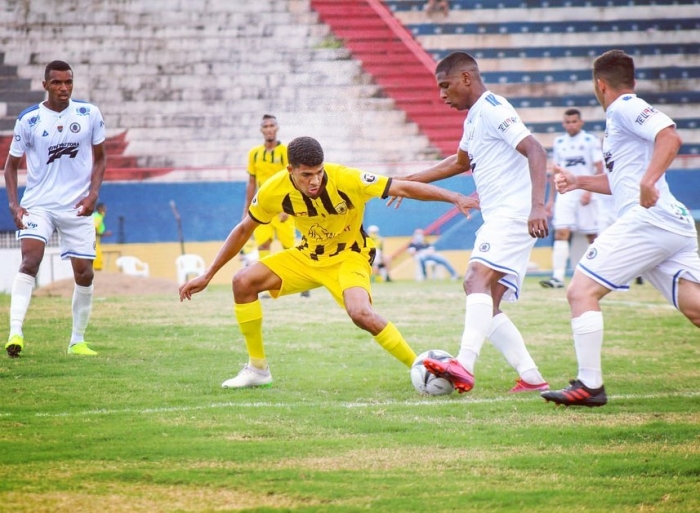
pixel 263 163
pixel 331 223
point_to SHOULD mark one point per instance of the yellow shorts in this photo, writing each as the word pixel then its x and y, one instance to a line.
pixel 285 232
pixel 298 273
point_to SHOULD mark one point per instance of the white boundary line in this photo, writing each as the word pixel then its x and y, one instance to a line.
pixel 343 405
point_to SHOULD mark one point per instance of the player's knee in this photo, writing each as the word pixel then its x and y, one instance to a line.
pixel 84 276
pixel 692 312
pixel 361 315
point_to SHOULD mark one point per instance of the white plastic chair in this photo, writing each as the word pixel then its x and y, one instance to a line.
pixel 189 265
pixel 133 266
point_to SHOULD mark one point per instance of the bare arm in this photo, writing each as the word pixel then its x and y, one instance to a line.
pixel 427 192
pixel 232 246
pixel 536 156
pixel 666 146
pixel 567 181
pixel 446 168
pixel 249 193
pixel 86 206
pixel 11 166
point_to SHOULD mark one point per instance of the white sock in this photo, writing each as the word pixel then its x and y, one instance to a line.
pixel 506 337
pixel 82 307
pixel 477 320
pixel 560 256
pixel 588 341
pixel 22 289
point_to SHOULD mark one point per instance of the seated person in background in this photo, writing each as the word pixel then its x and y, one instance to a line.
pixel 424 252
pixel 438 6
pixel 380 266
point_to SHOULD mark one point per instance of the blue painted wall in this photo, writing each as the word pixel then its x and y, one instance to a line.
pixel 140 212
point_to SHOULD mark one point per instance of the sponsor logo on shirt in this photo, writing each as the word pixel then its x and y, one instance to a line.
pixel 646 114
pixel 484 247
pixel 33 121
pixel 83 111
pixel 575 161
pixel 64 149
pixel 507 123
pixel 318 232
pixel 592 253
pixel 18 137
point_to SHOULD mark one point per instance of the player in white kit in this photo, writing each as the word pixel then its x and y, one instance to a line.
pixel 579 153
pixel 63 141
pixel 509 169
pixel 653 236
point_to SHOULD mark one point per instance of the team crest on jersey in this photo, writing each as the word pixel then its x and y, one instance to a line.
pixel 83 111
pixel 318 232
pixel 592 253
pixel 75 127
pixel 341 208
pixel 369 178
pixel 484 247
pixel 60 128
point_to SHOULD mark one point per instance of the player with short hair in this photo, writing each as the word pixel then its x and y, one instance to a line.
pixel 63 140
pixel 327 202
pixel 264 161
pixel 580 153
pixel 654 234
pixel 509 169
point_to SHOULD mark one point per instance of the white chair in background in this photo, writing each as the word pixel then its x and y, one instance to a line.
pixel 189 265
pixel 133 266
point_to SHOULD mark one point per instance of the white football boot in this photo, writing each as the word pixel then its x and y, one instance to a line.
pixel 249 377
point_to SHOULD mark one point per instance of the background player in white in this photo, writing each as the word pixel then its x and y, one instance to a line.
pixel 63 140
pixel 509 168
pixel 654 234
pixel 579 153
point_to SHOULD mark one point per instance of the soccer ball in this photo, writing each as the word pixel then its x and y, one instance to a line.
pixel 424 381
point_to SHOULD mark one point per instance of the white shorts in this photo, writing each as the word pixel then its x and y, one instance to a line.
pixel 631 248
pixel 571 215
pixel 606 211
pixel 505 245
pixel 76 234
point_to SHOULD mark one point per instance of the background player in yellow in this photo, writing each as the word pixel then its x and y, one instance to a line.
pixel 328 204
pixel 98 219
pixel 263 162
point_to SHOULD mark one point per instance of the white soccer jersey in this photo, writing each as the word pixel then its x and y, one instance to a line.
pixel 630 130
pixel 491 132
pixel 577 154
pixel 59 153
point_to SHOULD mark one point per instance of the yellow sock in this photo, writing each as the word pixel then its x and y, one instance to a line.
pixel 249 317
pixel 263 253
pixel 391 339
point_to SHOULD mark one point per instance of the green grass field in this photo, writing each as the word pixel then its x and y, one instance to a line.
pixel 145 426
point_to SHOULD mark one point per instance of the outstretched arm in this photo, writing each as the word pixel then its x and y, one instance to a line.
pixel 232 246
pixel 446 168
pixel 427 192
